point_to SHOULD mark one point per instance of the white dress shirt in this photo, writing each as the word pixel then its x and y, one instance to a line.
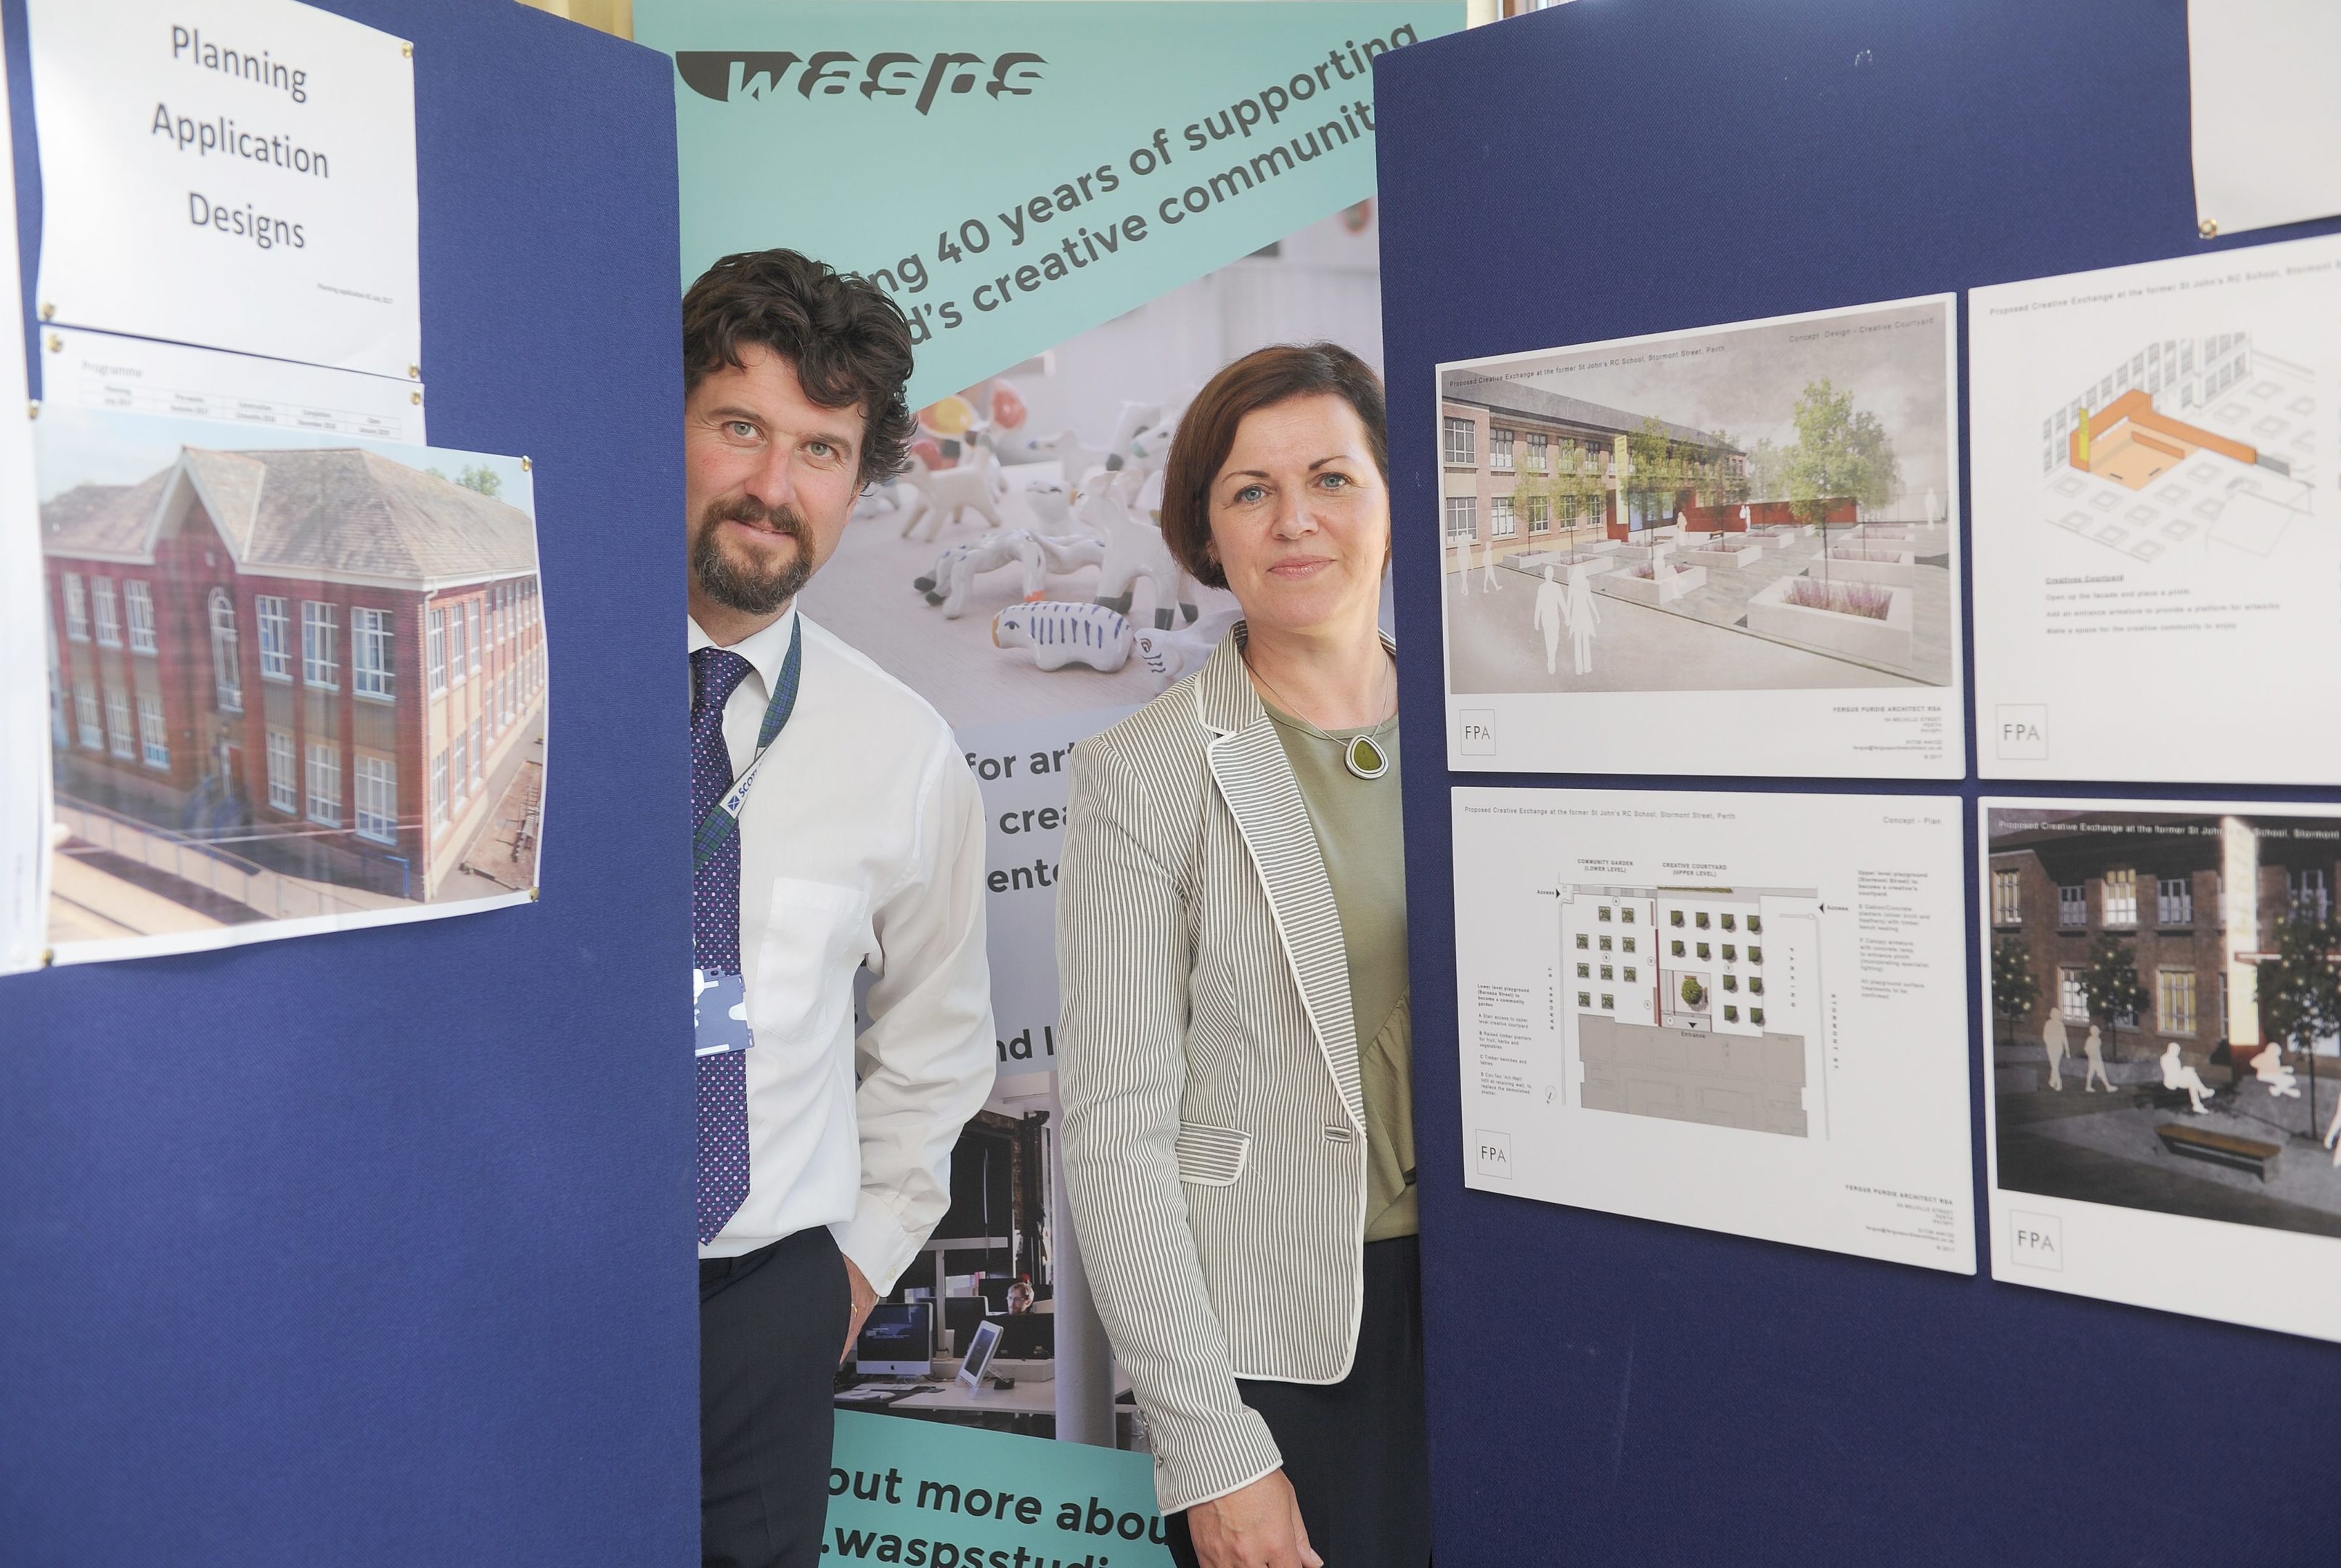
pixel 860 843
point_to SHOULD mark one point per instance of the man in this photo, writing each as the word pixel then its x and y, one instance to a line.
pixel 836 827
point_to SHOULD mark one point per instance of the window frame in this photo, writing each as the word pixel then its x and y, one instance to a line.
pixel 324 759
pixel 373 654
pixel 321 658
pixel 138 608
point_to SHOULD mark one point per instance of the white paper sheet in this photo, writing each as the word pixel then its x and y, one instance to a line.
pixel 2107 1180
pixel 237 174
pixel 1725 551
pixel 301 682
pixel 24 632
pixel 1739 1012
pixel 2266 117
pixel 101 370
pixel 2158 597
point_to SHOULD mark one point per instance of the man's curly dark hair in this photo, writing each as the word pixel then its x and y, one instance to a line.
pixel 844 336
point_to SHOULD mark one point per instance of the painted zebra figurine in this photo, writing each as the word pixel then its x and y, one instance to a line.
pixel 1059 633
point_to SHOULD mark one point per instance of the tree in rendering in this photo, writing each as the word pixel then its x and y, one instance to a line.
pixel 1838 453
pixel 2110 983
pixel 2299 990
pixel 2015 984
pixel 1651 459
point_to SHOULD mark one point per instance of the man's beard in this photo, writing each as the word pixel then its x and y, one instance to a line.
pixel 745 585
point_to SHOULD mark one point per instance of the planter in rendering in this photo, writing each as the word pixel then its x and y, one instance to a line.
pixel 1871 564
pixel 1650 591
pixel 1866 621
pixel 1734 551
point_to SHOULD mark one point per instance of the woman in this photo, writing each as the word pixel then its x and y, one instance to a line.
pixel 1234 1056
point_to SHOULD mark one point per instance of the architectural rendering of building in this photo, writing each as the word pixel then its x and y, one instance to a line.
pixel 322 664
pixel 2160 884
pixel 1574 456
pixel 1678 996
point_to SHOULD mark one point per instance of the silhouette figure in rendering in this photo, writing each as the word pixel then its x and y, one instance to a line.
pixel 2282 1081
pixel 1463 572
pixel 2176 1074
pixel 1584 616
pixel 2052 1039
pixel 2094 1048
pixel 1551 618
pixel 1487 578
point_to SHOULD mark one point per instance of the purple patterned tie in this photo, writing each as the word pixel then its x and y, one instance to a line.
pixel 715 943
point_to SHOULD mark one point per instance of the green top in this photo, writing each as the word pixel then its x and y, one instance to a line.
pixel 1361 834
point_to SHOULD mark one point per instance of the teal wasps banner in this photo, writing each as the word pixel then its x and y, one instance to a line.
pixel 1015 173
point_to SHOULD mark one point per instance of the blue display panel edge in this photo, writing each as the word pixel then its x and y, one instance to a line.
pixel 1606 1390
pixel 374 1248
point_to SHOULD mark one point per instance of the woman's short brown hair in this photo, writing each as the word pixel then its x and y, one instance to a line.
pixel 1207 433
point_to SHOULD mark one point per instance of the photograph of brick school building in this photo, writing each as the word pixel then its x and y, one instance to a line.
pixel 286 683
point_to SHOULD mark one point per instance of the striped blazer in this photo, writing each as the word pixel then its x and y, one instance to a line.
pixel 1214 1129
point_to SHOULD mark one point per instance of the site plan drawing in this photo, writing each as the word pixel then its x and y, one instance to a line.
pixel 2154 518
pixel 1739 1012
pixel 2163 1033
pixel 1729 550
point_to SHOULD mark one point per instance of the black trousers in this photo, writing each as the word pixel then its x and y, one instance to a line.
pixel 1357 1451
pixel 770 1324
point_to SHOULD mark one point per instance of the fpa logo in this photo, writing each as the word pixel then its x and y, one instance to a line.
pixel 2023 732
pixel 2035 1240
pixel 1476 731
pixel 761 74
pixel 1493 1153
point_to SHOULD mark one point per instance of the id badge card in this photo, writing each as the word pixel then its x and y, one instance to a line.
pixel 721 1004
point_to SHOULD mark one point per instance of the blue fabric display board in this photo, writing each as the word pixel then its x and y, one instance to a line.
pixel 374 1248
pixel 1606 1390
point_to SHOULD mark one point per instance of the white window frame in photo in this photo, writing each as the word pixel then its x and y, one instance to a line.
pixel 373 654
pixel 105 612
pixel 153 733
pixel 320 655
pixel 2072 901
pixel 1466 508
pixel 283 772
pixel 119 738
pixel 76 607
pixel 1463 444
pixel 2072 996
pixel 376 798
pixel 1503 519
pixel 138 604
pixel 87 718
pixel 273 614
pixel 227 652
pixel 435 647
pixel 2176 997
pixel 2006 896
pixel 323 768
pixel 2117 899
pixel 2173 901
pixel 1500 440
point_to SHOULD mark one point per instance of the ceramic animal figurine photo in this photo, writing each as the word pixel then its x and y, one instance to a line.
pixel 1059 633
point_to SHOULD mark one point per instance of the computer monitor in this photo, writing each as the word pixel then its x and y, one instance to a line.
pixel 897 1341
pixel 961 1314
pixel 982 1341
pixel 995 1293
pixel 1027 1336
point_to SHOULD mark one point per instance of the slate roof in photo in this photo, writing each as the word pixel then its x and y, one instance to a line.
pixel 330 511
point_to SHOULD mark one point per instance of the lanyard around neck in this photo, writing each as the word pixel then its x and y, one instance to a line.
pixel 723 819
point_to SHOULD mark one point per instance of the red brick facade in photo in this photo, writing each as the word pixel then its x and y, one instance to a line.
pixel 322 662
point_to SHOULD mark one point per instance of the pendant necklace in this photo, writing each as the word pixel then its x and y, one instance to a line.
pixel 1364 759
